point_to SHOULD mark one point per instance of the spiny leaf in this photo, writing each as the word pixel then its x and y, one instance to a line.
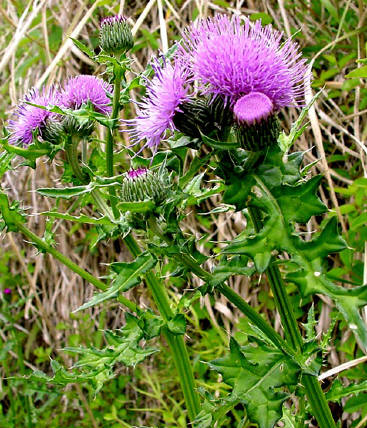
pixel 83 48
pixel 226 268
pixel 237 191
pixel 257 385
pixel 299 203
pixel 137 207
pixel 64 193
pixel 339 391
pixel 96 366
pixel 277 233
pixel 10 214
pixel 84 219
pixel 129 276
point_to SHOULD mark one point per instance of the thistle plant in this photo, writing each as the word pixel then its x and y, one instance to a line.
pixel 217 92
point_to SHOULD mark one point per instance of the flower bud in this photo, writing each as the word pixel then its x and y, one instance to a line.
pixel 257 124
pixel 192 118
pixel 143 185
pixel 115 35
pixel 77 127
pixel 53 130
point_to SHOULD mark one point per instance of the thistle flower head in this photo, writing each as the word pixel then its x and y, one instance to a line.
pixel 165 93
pixel 7 291
pixel 232 60
pixel 142 184
pixel 252 108
pixel 28 119
pixel 82 89
pixel 135 173
pixel 115 35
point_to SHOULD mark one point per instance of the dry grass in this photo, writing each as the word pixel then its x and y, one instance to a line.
pixel 53 291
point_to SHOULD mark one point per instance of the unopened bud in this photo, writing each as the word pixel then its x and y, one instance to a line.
pixel 257 125
pixel 115 35
pixel 143 184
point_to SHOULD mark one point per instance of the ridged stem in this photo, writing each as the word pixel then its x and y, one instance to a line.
pixel 175 342
pixel 40 243
pixel 231 295
pixel 313 389
pixel 109 138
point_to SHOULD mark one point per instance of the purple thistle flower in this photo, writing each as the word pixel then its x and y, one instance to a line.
pixel 81 89
pixel 164 94
pixel 252 107
pixel 7 291
pixel 27 119
pixel 111 20
pixel 134 173
pixel 233 60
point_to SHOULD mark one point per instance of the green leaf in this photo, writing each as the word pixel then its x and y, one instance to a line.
pixel 281 205
pixel 355 404
pixel 96 366
pixel 339 391
pixel 256 374
pixel 358 72
pixel 177 325
pixel 237 191
pixel 10 214
pixel 137 207
pixel 129 275
pixel 84 219
pixel 220 145
pixel 83 48
pixel 286 141
pixel 226 268
pixel 32 152
pixel 64 193
pixel 300 203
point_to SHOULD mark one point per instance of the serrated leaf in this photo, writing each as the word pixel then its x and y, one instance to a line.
pixel 326 242
pixel 177 325
pixel 10 214
pixel 299 203
pixel 84 219
pixel 237 191
pixel 257 384
pixel 339 391
pixel 220 145
pixel 137 207
pixel 360 72
pixel 64 193
pixel 95 366
pixel 277 234
pixel 286 141
pixel 32 152
pixel 83 48
pixel 129 276
pixel 226 268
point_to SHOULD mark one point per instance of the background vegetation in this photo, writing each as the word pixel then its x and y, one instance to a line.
pixel 37 319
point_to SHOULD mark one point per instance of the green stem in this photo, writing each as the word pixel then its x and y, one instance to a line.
pixel 40 243
pixel 314 392
pixel 176 343
pixel 109 139
pixel 231 295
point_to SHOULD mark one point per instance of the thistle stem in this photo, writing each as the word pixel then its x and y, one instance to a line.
pixel 109 138
pixel 314 392
pixel 175 342
pixel 231 295
pixel 40 243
